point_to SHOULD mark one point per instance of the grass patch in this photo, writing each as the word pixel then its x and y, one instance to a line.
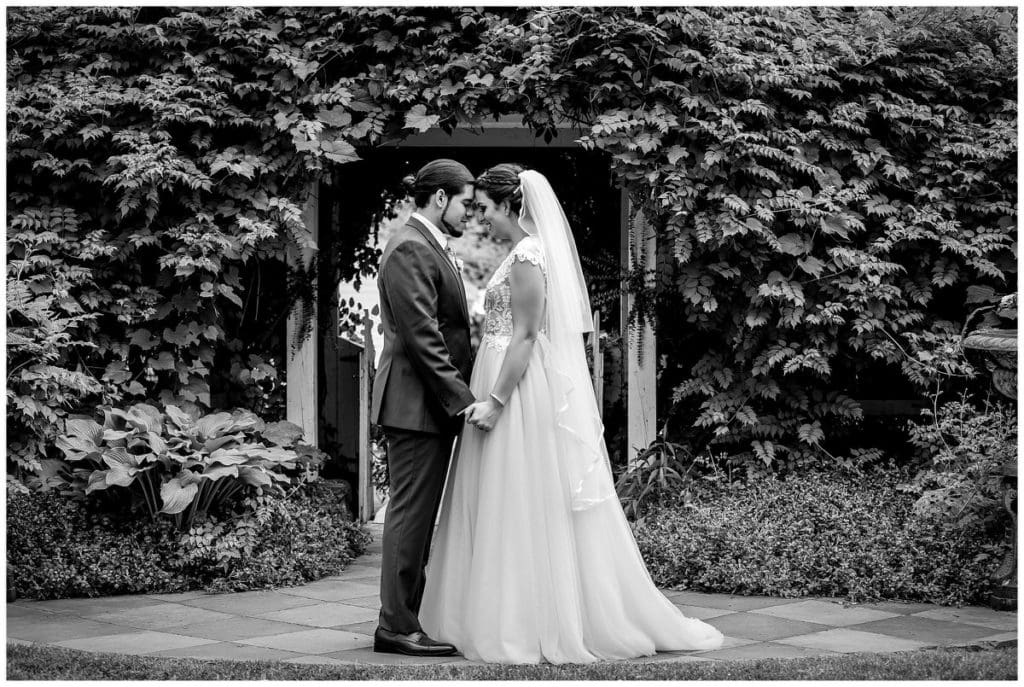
pixel 53 663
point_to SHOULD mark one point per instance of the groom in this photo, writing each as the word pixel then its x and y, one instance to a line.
pixel 420 391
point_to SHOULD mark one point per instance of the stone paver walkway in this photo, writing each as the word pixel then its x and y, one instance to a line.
pixel 332 621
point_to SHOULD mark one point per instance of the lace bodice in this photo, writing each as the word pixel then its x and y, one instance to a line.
pixel 498 297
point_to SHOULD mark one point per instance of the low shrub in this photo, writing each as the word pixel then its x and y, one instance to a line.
pixel 658 473
pixel 281 543
pixel 60 548
pixel 817 535
pixel 967 452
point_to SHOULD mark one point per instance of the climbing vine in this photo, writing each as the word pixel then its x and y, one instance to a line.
pixel 824 184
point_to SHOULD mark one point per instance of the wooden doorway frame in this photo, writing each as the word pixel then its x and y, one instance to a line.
pixel 638 243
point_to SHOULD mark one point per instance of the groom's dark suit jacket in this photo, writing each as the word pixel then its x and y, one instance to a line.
pixel 422 379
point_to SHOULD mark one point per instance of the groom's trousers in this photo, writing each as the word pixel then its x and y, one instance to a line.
pixel 417 466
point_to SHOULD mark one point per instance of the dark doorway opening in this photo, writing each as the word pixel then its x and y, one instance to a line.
pixel 363 192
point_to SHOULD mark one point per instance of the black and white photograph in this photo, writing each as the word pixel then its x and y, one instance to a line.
pixel 511 343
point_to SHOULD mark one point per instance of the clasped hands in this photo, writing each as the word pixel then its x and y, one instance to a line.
pixel 483 414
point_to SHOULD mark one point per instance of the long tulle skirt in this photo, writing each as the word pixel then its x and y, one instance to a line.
pixel 517 576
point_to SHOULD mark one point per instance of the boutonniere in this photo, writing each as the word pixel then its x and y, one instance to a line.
pixel 459 264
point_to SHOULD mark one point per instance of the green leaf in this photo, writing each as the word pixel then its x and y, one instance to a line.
pixel 756 318
pixel 179 417
pixel 254 476
pixel 811 433
pixel 181 336
pixel 303 69
pixel 156 442
pixel 476 80
pixel 83 440
pixel 214 425
pixel 980 294
pixel 284 121
pixel 676 153
pixel 111 436
pixel 834 225
pixel 765 450
pixel 243 420
pixel 337 117
pixel 164 361
pixel 417 118
pixel 282 433
pixel 97 481
pixel 178 492
pixel 339 151
pixel 791 244
pixel 231 456
pixel 123 467
pixel 811 265
pixel 216 472
pixel 272 454
pixel 117 372
pixel 196 390
pixel 230 294
pixel 385 41
pixel 215 443
pixel 146 418
pixel 144 339
pixel 449 88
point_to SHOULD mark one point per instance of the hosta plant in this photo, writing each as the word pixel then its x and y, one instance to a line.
pixel 175 464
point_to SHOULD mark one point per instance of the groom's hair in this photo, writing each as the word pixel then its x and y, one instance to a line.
pixel 449 175
pixel 501 183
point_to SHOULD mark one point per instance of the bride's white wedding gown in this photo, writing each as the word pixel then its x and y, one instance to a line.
pixel 516 575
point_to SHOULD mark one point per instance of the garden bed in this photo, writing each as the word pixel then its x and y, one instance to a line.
pixel 61 548
pixel 817 535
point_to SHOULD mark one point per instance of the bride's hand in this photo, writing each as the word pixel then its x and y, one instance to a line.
pixel 483 414
pixel 471 413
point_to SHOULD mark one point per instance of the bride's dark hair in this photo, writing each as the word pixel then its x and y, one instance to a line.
pixel 501 183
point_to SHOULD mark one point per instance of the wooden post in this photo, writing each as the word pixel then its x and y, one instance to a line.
pixel 639 247
pixel 595 345
pixel 301 374
pixel 366 359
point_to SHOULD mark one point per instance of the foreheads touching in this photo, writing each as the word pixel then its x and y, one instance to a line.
pixel 501 185
pixel 443 191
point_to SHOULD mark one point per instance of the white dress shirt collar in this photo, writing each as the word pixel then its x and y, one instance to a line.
pixel 442 238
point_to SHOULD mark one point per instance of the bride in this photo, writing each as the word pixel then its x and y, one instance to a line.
pixel 533 558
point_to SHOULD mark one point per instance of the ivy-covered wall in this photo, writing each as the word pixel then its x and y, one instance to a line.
pixel 825 183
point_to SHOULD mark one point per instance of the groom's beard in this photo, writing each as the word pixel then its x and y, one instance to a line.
pixel 457 230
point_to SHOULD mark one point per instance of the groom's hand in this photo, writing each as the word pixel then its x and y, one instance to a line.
pixel 483 414
pixel 471 413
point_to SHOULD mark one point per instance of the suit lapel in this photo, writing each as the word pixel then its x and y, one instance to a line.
pixel 419 226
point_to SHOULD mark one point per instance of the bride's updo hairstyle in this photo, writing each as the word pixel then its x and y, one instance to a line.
pixel 501 183
pixel 447 175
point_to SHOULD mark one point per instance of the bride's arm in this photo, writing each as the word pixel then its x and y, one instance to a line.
pixel 527 286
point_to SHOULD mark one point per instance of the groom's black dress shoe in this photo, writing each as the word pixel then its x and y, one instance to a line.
pixel 414 644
